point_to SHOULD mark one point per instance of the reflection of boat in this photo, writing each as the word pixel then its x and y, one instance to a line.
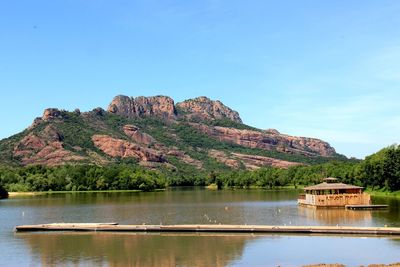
pixel 337 216
pixel 330 193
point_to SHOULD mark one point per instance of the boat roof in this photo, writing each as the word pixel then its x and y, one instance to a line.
pixel 332 186
pixel 329 179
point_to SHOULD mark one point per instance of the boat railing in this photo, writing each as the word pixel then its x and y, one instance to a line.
pixel 302 196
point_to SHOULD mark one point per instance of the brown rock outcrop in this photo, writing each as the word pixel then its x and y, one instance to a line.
pixel 268 141
pixel 272 131
pixel 143 138
pixel 137 136
pixel 204 108
pixel 185 158
pixel 45 148
pixel 51 114
pixel 221 157
pixel 255 162
pixel 157 106
pixel 234 160
pixel 36 122
pixel 98 112
pixel 124 149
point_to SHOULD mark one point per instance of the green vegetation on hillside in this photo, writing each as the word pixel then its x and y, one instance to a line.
pixel 76 130
pixel 190 137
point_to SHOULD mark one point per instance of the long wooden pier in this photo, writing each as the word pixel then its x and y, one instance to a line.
pixel 114 227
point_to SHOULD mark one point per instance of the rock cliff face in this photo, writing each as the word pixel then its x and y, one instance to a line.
pixel 45 148
pixel 124 149
pixel 143 138
pixel 203 108
pixel 255 162
pixel 51 114
pixel 222 157
pixel 251 162
pixel 184 157
pixel 268 140
pixel 157 106
pixel 138 136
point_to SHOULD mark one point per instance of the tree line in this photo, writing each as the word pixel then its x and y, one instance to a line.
pixel 378 171
pixel 80 178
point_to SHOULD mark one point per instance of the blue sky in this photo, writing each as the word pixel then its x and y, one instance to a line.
pixel 325 69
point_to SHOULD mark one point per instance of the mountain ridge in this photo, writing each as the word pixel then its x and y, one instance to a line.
pixel 154 132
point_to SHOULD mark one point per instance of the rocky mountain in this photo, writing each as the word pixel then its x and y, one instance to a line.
pixel 163 107
pixel 158 106
pixel 196 134
pixel 202 108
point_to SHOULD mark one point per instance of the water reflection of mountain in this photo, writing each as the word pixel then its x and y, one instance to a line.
pixel 135 249
pixel 337 216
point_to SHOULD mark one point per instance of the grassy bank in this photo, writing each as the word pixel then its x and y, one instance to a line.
pixel 383 193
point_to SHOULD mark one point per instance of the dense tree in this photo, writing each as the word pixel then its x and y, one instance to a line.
pixel 378 171
pixel 81 178
pixel 382 169
pixel 391 168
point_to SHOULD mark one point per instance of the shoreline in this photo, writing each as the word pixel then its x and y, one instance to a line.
pixel 20 194
pixel 375 193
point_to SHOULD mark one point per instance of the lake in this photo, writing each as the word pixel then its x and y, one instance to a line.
pixel 190 206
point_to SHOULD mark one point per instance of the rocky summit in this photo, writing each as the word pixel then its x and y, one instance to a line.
pixel 158 106
pixel 203 108
pixel 200 108
pixel 154 132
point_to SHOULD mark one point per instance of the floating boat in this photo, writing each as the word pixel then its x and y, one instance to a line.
pixel 331 193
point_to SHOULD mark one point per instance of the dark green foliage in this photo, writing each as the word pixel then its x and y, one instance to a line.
pixel 391 167
pixel 382 169
pixel 81 178
pixel 77 130
pixel 3 192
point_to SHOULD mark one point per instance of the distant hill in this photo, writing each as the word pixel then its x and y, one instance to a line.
pixel 154 132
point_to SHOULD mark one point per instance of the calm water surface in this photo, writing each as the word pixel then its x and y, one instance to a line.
pixel 197 206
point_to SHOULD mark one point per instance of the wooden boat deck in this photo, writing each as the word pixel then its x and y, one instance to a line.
pixel 113 227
